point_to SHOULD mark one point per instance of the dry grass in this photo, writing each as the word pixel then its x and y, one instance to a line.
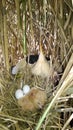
pixel 13 117
pixel 52 23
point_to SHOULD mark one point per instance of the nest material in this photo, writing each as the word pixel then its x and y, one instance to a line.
pixel 11 114
pixel 35 99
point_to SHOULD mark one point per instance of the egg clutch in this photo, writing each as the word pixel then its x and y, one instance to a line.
pixel 31 99
pixel 22 92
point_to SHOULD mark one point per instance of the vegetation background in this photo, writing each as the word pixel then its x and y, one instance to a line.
pixel 22 23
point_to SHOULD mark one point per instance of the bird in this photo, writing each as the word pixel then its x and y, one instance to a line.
pixel 42 66
pixel 30 60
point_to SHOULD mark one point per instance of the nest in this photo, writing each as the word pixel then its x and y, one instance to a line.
pixel 12 116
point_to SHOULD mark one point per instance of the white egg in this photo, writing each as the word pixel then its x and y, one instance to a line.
pixel 26 89
pixel 19 94
pixel 14 70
